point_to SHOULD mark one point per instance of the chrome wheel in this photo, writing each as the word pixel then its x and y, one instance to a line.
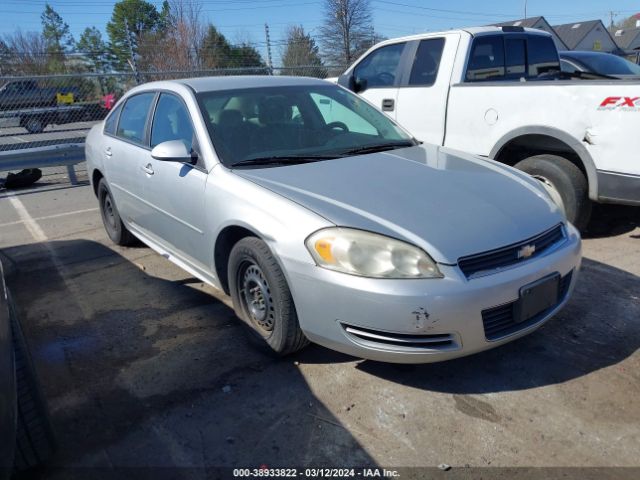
pixel 256 297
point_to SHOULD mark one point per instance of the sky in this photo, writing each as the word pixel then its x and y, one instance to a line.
pixel 243 20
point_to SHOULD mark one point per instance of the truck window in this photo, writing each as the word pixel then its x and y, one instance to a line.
pixel 542 55
pixel 380 67
pixel 487 59
pixel 426 62
pixel 515 58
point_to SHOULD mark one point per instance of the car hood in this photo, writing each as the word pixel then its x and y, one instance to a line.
pixel 449 203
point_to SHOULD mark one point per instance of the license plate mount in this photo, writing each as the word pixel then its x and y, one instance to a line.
pixel 537 297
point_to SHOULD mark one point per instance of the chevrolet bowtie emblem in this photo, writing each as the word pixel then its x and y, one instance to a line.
pixel 526 251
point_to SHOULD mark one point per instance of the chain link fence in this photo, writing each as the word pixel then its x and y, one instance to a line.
pixel 47 111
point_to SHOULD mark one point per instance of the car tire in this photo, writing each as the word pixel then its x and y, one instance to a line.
pixel 111 220
pixel 262 299
pixel 566 184
pixel 35 440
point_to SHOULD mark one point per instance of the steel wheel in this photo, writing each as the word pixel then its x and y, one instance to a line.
pixel 256 298
pixel 108 213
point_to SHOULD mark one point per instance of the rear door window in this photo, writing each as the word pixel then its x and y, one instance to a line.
pixel 542 55
pixel 133 119
pixel 112 120
pixel 426 62
pixel 486 62
pixel 515 58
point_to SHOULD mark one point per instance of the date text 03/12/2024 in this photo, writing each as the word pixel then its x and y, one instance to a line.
pixel 267 472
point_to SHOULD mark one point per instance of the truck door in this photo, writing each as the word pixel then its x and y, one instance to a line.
pixel 421 103
pixel 376 76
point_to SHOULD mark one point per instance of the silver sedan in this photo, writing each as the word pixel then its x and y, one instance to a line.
pixel 327 222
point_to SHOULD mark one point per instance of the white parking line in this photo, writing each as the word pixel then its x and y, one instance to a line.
pixel 39 236
pixel 57 215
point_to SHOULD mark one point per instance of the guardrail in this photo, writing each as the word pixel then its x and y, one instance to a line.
pixel 68 155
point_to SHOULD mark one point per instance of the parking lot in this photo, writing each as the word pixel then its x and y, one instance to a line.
pixel 144 365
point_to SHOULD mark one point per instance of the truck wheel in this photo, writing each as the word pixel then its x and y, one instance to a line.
pixel 35 440
pixel 113 225
pixel 566 184
pixel 34 125
pixel 262 299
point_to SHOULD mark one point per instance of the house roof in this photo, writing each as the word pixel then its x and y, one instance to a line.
pixel 523 22
pixel 573 33
pixel 625 37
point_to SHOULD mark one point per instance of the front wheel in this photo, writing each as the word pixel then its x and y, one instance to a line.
pixel 261 297
pixel 565 183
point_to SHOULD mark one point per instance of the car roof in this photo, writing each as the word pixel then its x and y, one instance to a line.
pixel 235 82
pixel 475 31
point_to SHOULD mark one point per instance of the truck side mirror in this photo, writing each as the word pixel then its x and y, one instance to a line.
pixel 354 84
pixel 359 84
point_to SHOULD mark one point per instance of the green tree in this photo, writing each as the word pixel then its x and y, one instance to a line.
pixel 245 55
pixel 57 38
pixel 215 50
pixel 301 51
pixel 135 17
pixel 95 50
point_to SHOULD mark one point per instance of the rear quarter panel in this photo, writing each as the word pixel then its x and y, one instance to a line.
pixel 481 115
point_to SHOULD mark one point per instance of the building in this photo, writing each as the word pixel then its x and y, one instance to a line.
pixel 589 35
pixel 536 22
pixel 628 38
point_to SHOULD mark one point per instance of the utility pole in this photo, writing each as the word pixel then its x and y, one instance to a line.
pixel 525 9
pixel 612 15
pixel 268 38
pixel 132 61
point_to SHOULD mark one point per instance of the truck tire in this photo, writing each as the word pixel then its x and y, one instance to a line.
pixel 34 125
pixel 35 440
pixel 262 299
pixel 566 184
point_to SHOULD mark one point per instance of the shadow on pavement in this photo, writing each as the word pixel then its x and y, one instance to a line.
pixel 145 372
pixel 584 337
pixel 612 220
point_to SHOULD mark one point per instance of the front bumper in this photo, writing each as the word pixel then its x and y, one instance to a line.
pixel 420 321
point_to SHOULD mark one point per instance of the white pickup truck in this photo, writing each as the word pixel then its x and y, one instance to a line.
pixel 498 92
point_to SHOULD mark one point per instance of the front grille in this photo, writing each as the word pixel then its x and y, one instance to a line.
pixel 442 341
pixel 500 321
pixel 507 256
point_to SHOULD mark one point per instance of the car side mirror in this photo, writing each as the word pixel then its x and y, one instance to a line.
pixel 353 83
pixel 174 151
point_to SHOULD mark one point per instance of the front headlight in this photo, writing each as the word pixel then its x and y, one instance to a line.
pixel 369 254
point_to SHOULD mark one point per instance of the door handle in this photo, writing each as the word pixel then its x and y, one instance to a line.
pixel 107 152
pixel 148 169
pixel 388 104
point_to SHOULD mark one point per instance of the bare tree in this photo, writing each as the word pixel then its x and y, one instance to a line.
pixel 177 46
pixel 347 25
pixel 26 54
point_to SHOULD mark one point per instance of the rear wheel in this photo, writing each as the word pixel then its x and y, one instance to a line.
pixel 261 297
pixel 565 183
pixel 113 225
pixel 34 125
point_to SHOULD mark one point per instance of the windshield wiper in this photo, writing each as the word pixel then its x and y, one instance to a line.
pixel 282 160
pixel 379 147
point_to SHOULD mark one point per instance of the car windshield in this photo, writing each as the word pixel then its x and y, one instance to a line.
pixel 280 125
pixel 610 65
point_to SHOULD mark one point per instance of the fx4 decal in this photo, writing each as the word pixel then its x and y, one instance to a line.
pixel 624 103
